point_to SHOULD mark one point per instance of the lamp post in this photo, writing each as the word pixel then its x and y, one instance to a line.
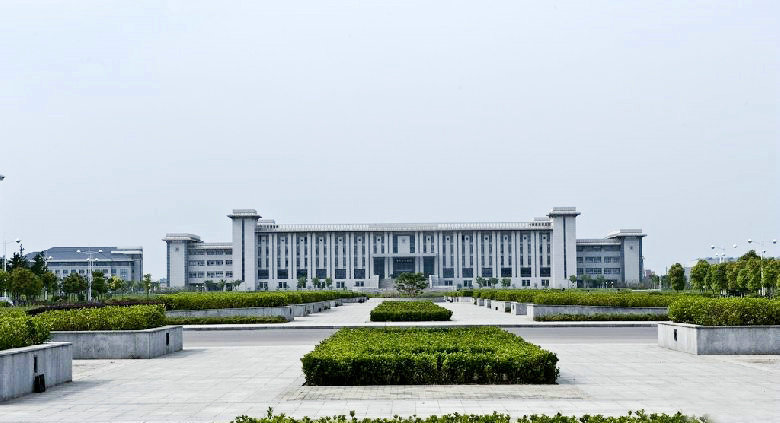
pixel 5 256
pixel 762 244
pixel 90 259
pixel 723 250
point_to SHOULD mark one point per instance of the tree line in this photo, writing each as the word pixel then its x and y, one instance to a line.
pixel 749 275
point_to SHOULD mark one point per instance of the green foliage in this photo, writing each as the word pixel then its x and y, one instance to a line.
pixel 409 311
pixel 614 299
pixel 105 318
pixel 717 277
pixel 18 330
pixel 234 299
pixel 424 356
pixel 224 320
pixel 632 417
pixel 699 274
pixel 602 317
pixel 677 277
pixel 411 284
pixel 24 282
pixel 505 282
pixel 302 282
pixel 74 284
pixel 38 265
pixel 725 311
pixel 99 284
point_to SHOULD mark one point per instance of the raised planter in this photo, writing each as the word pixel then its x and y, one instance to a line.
pixel 518 308
pixel 431 299
pixel 146 343
pixel 502 306
pixel 354 300
pixel 283 311
pixel 480 302
pixel 719 340
pixel 487 302
pixel 539 310
pixel 20 366
pixel 300 310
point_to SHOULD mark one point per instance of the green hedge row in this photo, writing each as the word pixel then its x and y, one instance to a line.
pixel 210 300
pixel 425 356
pixel 224 320
pixel 105 318
pixel 613 299
pixel 601 317
pixel 409 311
pixel 726 311
pixel 518 295
pixel 632 417
pixel 21 331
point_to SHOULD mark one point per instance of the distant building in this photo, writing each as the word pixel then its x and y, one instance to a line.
pixel 126 263
pixel 266 255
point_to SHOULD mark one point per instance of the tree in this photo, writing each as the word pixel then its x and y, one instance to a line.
pixel 754 275
pixel 99 284
pixel 771 268
pixel 315 281
pixel 699 274
pixel 742 278
pixel 301 282
pixel 677 277
pixel 147 283
pixel 601 281
pixel 750 255
pixel 25 282
pixel 210 285
pixel 49 280
pixel 116 284
pixel 732 272
pixel 411 284
pixel 717 278
pixel 18 261
pixel 493 282
pixel 656 280
pixel 573 281
pixel 328 282
pixel 38 265
pixel 505 282
pixel 587 281
pixel 220 285
pixel 4 281
pixel 236 283
pixel 481 282
pixel 74 284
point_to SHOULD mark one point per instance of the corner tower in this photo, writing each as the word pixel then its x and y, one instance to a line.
pixel 564 245
pixel 245 247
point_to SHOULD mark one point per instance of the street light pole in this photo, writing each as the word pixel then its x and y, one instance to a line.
pixel 723 254
pixel 5 256
pixel 90 259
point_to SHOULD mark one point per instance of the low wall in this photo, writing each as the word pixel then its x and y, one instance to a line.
pixel 480 301
pixel 539 310
pixel 431 299
pixel 719 340
pixel 146 343
pixel 502 306
pixel 354 300
pixel 518 308
pixel 283 311
pixel 19 366
pixel 300 310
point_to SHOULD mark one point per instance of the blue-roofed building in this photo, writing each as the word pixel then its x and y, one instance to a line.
pixel 126 263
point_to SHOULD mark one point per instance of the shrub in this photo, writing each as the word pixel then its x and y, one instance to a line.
pixel 73 306
pixel 211 300
pixel 18 331
pixel 424 356
pixel 614 299
pixel 725 311
pixel 105 318
pixel 224 320
pixel 601 317
pixel 409 311
pixel 637 417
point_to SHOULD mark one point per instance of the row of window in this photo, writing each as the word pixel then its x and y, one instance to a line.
pixel 599 271
pixel 581 248
pixel 113 272
pixel 211 275
pixel 210 262
pixel 216 252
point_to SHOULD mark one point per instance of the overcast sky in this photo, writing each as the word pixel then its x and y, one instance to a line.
pixel 123 120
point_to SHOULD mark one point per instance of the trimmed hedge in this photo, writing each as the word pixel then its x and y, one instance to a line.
pixel 426 356
pixel 73 306
pixel 21 331
pixel 105 318
pixel 224 320
pixel 613 299
pixel 212 300
pixel 726 311
pixel 601 317
pixel 632 417
pixel 518 295
pixel 409 311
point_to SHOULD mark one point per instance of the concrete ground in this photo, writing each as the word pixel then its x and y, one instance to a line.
pixel 221 375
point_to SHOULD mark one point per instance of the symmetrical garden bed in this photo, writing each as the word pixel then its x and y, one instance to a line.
pixel 409 311
pixel 420 356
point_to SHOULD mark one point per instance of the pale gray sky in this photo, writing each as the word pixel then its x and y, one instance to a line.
pixel 123 120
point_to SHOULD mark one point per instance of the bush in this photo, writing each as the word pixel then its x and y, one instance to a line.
pixel 18 331
pixel 518 295
pixel 224 320
pixel 637 417
pixel 105 318
pixel 73 306
pixel 613 299
pixel 601 317
pixel 424 356
pixel 725 311
pixel 211 300
pixel 409 311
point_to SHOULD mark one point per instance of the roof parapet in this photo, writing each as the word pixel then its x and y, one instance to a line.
pixel 242 213
pixel 622 233
pixel 563 211
pixel 181 237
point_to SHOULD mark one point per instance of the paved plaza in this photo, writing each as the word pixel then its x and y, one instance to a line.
pixel 209 383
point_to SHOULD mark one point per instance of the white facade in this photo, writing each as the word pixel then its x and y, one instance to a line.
pixel 125 263
pixel 266 255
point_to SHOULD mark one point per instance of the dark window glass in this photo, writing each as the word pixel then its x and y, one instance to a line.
pixel 506 272
pixel 468 272
pixel 525 272
pixel 544 271
pixel 487 272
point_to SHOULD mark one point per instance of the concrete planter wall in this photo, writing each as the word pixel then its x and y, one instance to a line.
pixel 146 343
pixel 354 300
pixel 284 311
pixel 480 302
pixel 502 306
pixel 539 310
pixel 300 310
pixel 518 308
pixel 18 367
pixel 719 340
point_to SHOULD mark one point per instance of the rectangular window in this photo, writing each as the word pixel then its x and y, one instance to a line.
pixel 359 284
pixel 468 272
pixel 487 272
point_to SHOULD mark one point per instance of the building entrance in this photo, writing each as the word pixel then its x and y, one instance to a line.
pixel 402 265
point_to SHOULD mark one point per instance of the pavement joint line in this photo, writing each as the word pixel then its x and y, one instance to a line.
pixel 502 325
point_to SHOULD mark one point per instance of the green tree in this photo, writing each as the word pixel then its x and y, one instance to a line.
pixel 25 282
pixel 220 285
pixel 742 278
pixel 573 281
pixel 99 284
pixel 38 265
pixel 315 281
pixel 236 283
pixel 699 275
pixel 677 277
pixel 301 282
pixel 754 275
pixel 49 280
pixel 493 282
pixel 750 255
pixel 328 282
pixel 18 261
pixel 116 284
pixel 481 282
pixel 717 278
pixel 210 285
pixel 505 282
pixel 732 272
pixel 147 283
pixel 771 268
pixel 411 284
pixel 74 284
pixel 4 281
